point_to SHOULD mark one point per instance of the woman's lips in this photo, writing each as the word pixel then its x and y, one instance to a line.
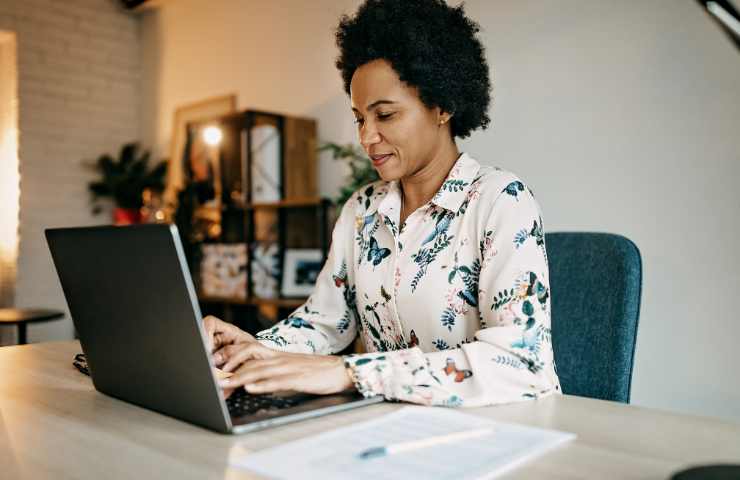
pixel 379 160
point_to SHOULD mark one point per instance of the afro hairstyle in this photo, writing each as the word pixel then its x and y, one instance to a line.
pixel 431 46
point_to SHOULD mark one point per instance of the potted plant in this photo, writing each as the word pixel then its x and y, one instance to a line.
pixel 362 171
pixel 124 180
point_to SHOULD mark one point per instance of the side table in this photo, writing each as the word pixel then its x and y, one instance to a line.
pixel 23 316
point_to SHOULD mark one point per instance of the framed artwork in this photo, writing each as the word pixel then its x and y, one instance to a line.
pixel 265 270
pixel 223 270
pixel 265 149
pixel 301 268
pixel 191 113
pixel 265 264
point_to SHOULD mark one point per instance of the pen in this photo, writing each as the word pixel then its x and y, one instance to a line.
pixel 422 443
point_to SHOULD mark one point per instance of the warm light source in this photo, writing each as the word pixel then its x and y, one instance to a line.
pixel 9 174
pixel 212 135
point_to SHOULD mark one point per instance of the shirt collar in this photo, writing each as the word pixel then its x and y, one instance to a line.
pixel 454 189
pixel 386 199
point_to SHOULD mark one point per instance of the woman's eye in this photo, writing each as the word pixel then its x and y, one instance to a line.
pixel 380 116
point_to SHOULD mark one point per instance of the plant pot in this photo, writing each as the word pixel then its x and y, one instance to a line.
pixel 126 216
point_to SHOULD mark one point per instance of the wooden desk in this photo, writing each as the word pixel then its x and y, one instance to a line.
pixel 53 424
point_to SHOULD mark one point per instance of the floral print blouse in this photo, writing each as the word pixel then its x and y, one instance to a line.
pixel 453 306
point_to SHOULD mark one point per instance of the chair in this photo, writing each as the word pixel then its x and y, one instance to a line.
pixel 595 282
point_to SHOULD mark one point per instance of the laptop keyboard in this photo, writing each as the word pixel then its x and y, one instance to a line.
pixel 241 403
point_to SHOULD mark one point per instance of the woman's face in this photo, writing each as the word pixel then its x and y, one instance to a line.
pixel 400 134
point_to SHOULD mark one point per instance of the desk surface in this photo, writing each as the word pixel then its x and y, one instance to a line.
pixel 53 424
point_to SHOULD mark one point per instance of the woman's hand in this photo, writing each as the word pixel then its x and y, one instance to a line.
pixel 262 370
pixel 220 334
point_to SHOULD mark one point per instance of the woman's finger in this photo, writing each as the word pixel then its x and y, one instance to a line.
pixel 209 325
pixel 228 392
pixel 255 371
pixel 240 353
pixel 235 357
pixel 223 354
pixel 256 364
pixel 220 333
pixel 279 383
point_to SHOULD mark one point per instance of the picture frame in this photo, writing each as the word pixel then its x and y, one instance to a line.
pixel 265 141
pixel 265 258
pixel 190 113
pixel 301 268
pixel 223 270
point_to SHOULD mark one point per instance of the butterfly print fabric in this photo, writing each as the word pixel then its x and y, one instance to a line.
pixel 453 306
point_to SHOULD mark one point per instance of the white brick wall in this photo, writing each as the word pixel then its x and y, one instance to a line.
pixel 78 83
pixel 9 182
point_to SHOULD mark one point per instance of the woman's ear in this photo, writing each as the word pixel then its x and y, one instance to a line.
pixel 443 117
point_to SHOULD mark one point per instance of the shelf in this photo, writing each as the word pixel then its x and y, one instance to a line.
pixel 278 302
pixel 290 203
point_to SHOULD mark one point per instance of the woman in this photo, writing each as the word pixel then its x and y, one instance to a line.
pixel 441 265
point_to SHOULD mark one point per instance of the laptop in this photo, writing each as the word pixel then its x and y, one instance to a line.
pixel 133 303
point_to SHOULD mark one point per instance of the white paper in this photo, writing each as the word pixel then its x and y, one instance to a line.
pixel 334 454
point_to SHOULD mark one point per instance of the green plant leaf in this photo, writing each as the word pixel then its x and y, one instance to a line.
pixel 125 178
pixel 361 169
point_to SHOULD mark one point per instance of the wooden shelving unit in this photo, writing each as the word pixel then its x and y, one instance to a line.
pixel 304 219
pixel 289 203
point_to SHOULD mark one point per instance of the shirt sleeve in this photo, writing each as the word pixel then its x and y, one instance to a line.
pixel 511 356
pixel 327 322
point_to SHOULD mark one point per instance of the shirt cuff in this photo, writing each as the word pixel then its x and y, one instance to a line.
pixel 395 375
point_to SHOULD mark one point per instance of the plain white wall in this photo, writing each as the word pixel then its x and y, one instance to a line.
pixel 622 116
pixel 625 117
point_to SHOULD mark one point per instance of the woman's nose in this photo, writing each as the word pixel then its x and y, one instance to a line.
pixel 369 136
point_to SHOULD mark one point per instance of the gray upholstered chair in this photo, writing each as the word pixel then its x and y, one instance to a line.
pixel 595 281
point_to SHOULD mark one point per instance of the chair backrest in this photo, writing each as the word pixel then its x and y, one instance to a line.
pixel 595 282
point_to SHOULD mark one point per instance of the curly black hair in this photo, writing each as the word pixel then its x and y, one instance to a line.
pixel 431 46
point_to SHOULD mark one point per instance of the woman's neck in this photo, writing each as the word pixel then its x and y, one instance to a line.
pixel 417 189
